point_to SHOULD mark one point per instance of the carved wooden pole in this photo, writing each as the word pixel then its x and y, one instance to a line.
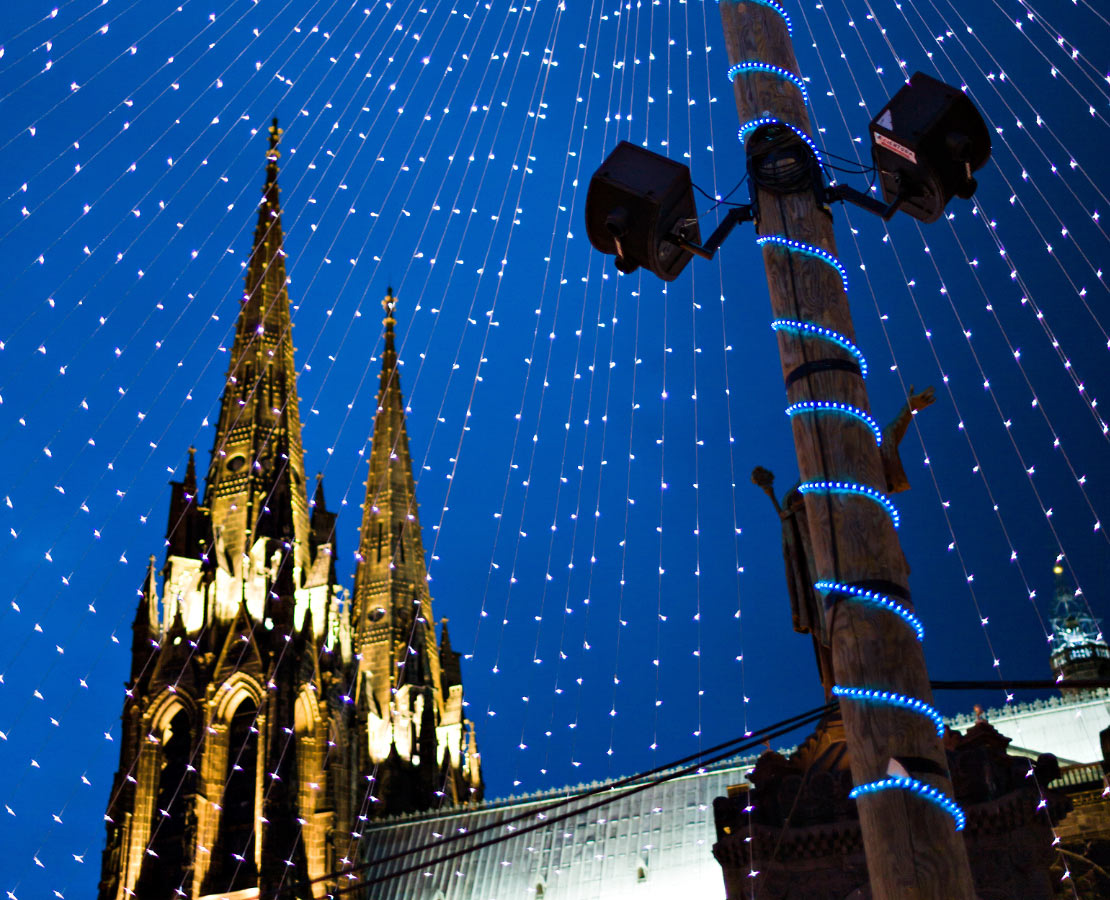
pixel 909 821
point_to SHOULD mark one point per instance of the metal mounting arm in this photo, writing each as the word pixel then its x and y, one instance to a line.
pixel 736 215
pixel 851 195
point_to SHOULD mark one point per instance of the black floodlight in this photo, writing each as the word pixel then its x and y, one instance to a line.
pixel 926 142
pixel 634 203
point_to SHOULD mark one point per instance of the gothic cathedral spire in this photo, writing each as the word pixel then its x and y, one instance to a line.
pixel 256 485
pixel 402 690
pixel 236 700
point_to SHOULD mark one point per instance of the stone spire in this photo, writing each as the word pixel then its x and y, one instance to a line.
pixel 146 629
pixel 391 582
pixel 255 485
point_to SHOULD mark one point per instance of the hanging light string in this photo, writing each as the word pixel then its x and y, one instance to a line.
pixel 627 25
pixel 1073 164
pixel 621 289
pixel 544 382
pixel 437 528
pixel 954 545
pixel 621 63
pixel 196 139
pixel 1028 298
pixel 530 360
pixel 630 105
pixel 526 483
pixel 180 314
pixel 151 147
pixel 635 291
pixel 695 350
pixel 566 643
pixel 726 350
pixel 1080 293
pixel 127 102
pixel 499 515
pixel 1015 197
pixel 17 133
pixel 140 419
pixel 630 457
pixel 1089 7
pixel 586 635
pixel 100 30
pixel 174 235
pixel 1053 34
pixel 49 17
pixel 1036 403
pixel 1036 400
pixel 660 618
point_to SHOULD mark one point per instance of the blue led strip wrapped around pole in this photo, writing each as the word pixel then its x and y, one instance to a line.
pixel 755 66
pixel 917 787
pixel 752 124
pixel 809 250
pixel 874 598
pixel 910 704
pixel 852 487
pixel 817 331
pixel 815 406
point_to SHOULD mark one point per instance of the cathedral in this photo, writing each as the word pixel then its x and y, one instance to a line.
pixel 269 716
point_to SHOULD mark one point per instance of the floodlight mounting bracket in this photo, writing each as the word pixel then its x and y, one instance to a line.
pixel 885 211
pixel 736 215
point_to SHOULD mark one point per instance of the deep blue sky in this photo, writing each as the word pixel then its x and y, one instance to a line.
pixel 466 135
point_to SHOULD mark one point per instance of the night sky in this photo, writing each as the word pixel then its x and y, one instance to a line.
pixel 584 440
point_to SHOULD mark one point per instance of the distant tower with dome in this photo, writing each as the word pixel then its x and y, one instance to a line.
pixel 1079 649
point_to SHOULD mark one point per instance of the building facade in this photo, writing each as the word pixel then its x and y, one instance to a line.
pixel 268 715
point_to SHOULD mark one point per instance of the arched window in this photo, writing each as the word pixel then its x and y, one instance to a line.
pixel 163 869
pixel 233 866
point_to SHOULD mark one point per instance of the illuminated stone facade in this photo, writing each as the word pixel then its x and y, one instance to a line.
pixel 267 715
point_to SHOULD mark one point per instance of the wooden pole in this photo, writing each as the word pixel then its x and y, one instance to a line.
pixel 914 851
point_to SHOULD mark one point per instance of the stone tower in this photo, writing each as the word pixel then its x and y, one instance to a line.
pixel 235 772
pixel 419 750
pixel 1079 651
pixel 266 718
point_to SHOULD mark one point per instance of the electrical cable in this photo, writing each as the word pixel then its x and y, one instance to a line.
pixel 667 771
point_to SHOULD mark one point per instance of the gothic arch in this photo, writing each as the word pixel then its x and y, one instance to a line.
pixel 306 713
pixel 231 694
pixel 233 767
pixel 163 708
pixel 165 797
